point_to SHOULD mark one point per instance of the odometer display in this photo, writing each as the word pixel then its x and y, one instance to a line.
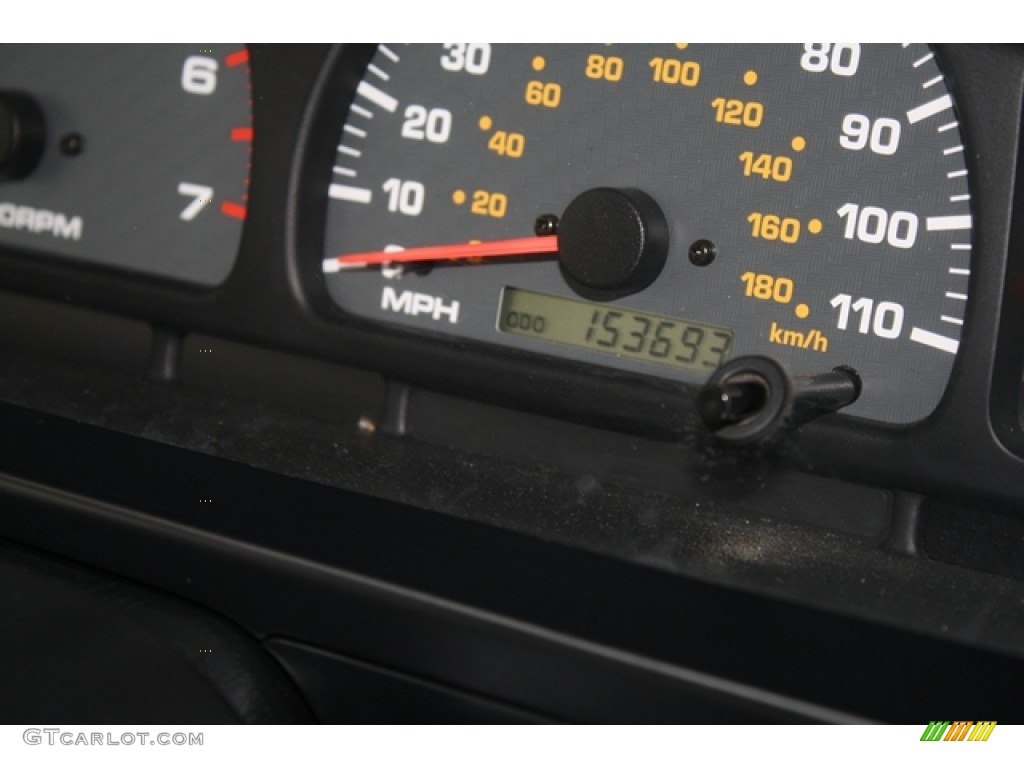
pixel 614 330
pixel 812 198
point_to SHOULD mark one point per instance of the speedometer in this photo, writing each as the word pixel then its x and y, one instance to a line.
pixel 663 208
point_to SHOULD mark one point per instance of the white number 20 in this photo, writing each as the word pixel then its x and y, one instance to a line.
pixel 434 125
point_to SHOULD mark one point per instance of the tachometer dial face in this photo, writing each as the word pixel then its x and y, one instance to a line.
pixel 127 156
pixel 663 208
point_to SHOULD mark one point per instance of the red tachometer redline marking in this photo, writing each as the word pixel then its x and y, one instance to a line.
pixel 237 58
pixel 241 134
pixel 234 210
pixel 494 249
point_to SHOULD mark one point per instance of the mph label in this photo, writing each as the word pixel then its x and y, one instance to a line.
pixel 417 304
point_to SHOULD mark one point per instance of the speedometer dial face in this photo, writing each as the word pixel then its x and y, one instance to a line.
pixel 126 156
pixel 663 208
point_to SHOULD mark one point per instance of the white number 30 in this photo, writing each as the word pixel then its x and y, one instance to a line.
pixel 473 58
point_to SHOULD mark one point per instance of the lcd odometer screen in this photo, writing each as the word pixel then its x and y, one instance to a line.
pixel 613 329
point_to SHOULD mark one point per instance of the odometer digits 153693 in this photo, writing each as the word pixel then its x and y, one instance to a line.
pixel 614 330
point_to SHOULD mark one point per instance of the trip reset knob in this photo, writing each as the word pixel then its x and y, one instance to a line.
pixel 612 241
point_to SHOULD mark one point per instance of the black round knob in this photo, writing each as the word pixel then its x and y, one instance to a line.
pixel 612 241
pixel 22 134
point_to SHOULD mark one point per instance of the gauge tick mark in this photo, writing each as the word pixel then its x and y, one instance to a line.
pixel 934 340
pixel 351 194
pixel 376 96
pixel 232 210
pixel 389 53
pixel 380 73
pixel 947 223
pixel 930 109
pixel 237 58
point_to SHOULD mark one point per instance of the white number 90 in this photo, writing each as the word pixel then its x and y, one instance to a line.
pixel 882 136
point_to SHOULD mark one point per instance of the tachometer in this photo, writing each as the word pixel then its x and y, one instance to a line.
pixel 127 156
pixel 663 208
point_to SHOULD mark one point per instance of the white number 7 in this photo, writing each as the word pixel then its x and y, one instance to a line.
pixel 201 196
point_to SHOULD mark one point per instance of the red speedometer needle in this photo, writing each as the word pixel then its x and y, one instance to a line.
pixel 492 249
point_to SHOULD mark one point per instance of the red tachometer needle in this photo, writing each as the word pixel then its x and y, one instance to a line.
pixel 492 249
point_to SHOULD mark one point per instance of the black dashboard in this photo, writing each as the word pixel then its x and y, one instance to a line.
pixel 330 470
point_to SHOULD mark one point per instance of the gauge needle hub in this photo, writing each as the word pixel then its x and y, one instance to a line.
pixel 491 249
